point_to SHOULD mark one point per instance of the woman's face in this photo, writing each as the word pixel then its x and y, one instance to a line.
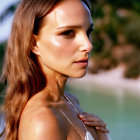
pixel 63 44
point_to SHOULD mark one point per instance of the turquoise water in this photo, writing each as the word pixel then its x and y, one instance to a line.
pixel 119 109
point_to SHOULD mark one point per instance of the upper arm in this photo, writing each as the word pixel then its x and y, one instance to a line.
pixel 43 125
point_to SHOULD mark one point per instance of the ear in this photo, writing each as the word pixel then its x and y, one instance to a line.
pixel 34 47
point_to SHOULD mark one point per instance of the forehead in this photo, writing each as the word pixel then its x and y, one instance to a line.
pixel 69 12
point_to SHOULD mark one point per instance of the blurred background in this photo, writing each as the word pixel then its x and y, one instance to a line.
pixel 111 87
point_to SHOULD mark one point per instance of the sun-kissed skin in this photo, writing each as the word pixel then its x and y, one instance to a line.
pixel 62 47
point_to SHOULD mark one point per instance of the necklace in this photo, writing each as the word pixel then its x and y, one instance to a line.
pixel 88 135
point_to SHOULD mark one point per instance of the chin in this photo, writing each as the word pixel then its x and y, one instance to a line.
pixel 78 75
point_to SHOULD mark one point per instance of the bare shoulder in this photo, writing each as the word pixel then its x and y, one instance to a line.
pixel 72 96
pixel 41 123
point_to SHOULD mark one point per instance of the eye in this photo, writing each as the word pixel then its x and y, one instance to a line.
pixel 68 33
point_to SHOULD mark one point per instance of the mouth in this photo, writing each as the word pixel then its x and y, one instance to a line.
pixel 82 62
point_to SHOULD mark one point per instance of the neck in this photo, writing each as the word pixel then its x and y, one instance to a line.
pixel 56 83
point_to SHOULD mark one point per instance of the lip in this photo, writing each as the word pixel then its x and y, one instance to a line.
pixel 82 62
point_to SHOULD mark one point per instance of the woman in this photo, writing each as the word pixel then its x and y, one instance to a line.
pixel 49 42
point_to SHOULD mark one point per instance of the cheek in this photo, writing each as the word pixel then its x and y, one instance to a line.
pixel 62 48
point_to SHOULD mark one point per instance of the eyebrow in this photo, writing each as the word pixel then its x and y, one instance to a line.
pixel 75 26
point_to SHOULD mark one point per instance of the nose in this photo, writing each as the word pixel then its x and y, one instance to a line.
pixel 85 44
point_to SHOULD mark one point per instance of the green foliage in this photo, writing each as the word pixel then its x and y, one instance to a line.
pixel 116 35
pixel 131 30
pixel 116 4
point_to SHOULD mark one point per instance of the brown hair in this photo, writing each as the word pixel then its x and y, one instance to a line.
pixel 21 69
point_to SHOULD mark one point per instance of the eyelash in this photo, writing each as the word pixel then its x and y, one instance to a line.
pixel 68 33
pixel 71 33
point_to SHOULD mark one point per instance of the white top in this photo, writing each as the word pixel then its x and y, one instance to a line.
pixel 88 136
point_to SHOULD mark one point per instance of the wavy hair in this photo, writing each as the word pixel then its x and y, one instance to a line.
pixel 21 70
